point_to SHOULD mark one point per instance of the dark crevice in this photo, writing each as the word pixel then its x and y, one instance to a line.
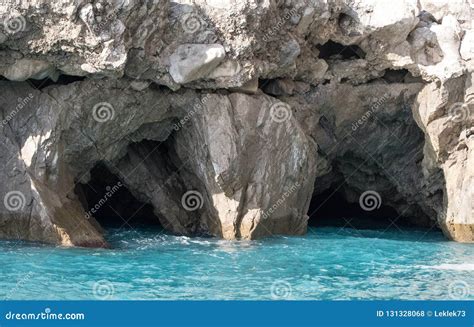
pixel 62 80
pixel 427 17
pixel 400 76
pixel 262 83
pixel 395 76
pixel 331 209
pixel 333 50
pixel 107 200
pixel 159 162
pixel 277 87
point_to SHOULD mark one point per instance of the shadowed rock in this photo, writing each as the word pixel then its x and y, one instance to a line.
pixel 170 98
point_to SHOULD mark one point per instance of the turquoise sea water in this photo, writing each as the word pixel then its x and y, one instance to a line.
pixel 327 263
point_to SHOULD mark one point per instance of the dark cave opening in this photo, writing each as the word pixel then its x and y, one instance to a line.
pixel 112 205
pixel 263 83
pixel 45 82
pixel 61 80
pixel 333 50
pixel 331 209
pixel 400 76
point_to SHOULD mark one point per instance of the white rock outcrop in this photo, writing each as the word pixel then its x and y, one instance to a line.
pixel 191 62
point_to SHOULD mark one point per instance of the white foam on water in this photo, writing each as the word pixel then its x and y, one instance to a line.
pixel 451 266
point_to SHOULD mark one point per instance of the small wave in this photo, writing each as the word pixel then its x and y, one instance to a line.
pixel 451 266
pixel 183 240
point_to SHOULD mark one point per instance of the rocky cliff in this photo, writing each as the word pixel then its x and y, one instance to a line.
pixel 228 116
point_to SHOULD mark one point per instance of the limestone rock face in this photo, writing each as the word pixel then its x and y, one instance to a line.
pixel 445 113
pixel 257 166
pixel 222 153
pixel 226 117
pixel 24 69
pixel 55 136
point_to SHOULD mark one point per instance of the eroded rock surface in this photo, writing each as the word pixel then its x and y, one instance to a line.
pixel 227 116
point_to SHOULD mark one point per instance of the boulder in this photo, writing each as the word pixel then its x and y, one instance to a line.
pixel 191 62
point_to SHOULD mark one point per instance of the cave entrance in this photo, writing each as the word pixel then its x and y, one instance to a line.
pixel 106 199
pixel 331 209
pixel 60 80
pixel 333 50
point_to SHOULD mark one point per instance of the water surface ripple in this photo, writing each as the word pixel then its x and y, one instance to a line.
pixel 327 263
